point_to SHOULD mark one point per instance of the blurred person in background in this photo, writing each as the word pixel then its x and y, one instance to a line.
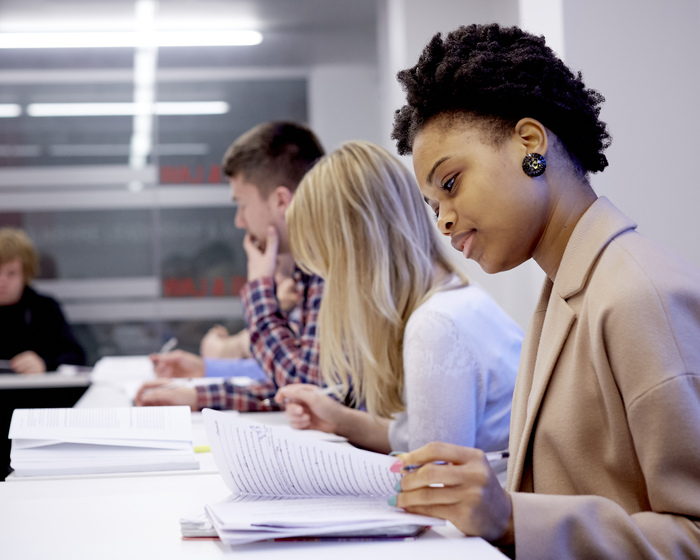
pixel 34 334
pixel 264 167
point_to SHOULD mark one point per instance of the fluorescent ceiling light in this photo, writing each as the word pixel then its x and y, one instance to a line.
pixel 128 109
pixel 182 38
pixel 117 150
pixel 9 110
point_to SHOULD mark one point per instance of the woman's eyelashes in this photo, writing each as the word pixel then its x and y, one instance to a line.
pixel 449 184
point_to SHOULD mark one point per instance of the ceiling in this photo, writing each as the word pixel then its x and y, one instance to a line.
pixel 296 32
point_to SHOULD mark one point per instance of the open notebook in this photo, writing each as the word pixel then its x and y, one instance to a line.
pixel 66 441
pixel 284 484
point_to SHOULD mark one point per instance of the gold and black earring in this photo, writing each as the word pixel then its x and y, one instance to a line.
pixel 534 164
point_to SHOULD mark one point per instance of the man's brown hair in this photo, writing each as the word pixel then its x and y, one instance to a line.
pixel 273 154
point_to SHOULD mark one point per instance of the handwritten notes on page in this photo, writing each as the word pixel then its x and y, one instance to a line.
pixel 285 484
pixel 269 461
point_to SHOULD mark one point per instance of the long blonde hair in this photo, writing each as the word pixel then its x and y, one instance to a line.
pixel 358 221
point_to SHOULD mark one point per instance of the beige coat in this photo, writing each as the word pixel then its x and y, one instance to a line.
pixel 605 427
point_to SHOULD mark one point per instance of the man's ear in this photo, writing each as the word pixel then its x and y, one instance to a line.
pixel 281 198
pixel 532 134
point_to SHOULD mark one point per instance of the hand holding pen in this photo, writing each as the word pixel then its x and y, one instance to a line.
pixel 168 346
pixel 491 456
pixel 458 484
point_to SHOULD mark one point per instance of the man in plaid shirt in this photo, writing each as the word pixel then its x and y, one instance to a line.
pixel 264 167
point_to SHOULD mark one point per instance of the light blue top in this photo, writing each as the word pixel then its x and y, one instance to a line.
pixel 461 354
pixel 233 367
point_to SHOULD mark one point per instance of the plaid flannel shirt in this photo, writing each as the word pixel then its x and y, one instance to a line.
pixel 287 352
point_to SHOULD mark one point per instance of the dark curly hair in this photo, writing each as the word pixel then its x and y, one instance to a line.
pixel 500 75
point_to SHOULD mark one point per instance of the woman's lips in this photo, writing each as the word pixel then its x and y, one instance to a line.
pixel 464 242
pixel 467 245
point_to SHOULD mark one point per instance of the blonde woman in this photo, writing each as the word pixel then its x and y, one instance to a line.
pixel 430 356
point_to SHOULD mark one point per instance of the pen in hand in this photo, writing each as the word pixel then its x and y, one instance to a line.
pixel 491 456
pixel 169 345
pixel 325 391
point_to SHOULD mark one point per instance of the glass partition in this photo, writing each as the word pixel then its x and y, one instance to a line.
pixel 127 206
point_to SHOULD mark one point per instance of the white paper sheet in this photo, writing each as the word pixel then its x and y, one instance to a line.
pixel 255 459
pixel 163 423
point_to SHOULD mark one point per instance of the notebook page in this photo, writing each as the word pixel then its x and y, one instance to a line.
pixel 170 423
pixel 255 459
pixel 253 512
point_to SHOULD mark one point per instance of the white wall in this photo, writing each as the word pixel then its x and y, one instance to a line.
pixel 644 57
pixel 343 104
pixel 405 27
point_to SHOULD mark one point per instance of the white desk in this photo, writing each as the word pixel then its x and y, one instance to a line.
pixel 137 517
pixel 42 380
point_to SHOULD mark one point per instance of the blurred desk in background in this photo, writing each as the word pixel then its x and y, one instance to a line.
pixel 40 390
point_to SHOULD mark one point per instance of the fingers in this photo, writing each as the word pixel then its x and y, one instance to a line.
pixel 475 510
pixel 28 362
pixel 250 246
pixel 474 473
pixel 161 366
pixel 298 391
pixel 438 451
pixel 272 244
pixel 218 330
pixel 261 263
pixel 427 497
pixel 297 398
pixel 286 286
pixel 147 387
pixel 465 490
pixel 156 396
pixel 297 416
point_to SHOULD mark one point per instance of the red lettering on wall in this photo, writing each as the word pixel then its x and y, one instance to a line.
pixel 215 174
pixel 218 288
pixel 202 287
pixel 182 174
pixel 237 283
pixel 171 287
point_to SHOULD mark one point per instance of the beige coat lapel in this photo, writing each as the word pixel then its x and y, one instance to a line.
pixel 552 323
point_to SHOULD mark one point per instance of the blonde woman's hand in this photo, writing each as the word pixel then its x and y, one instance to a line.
pixel 471 496
pixel 307 408
pixel 162 392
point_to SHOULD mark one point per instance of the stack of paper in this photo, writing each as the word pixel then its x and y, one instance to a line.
pixel 286 485
pixel 64 441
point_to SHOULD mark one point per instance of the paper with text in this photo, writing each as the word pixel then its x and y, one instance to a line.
pixel 255 459
pixel 93 425
pixel 264 513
